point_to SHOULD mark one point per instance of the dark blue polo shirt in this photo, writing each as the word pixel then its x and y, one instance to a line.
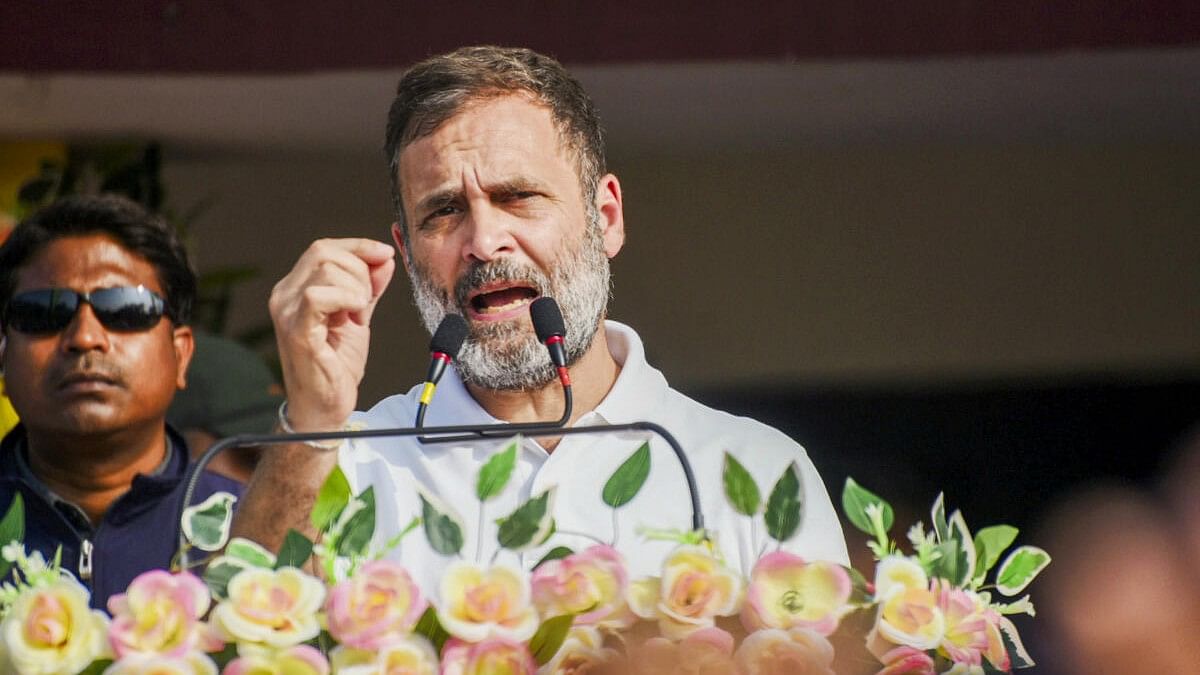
pixel 139 532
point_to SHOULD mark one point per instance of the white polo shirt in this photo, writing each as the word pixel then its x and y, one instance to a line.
pixel 579 466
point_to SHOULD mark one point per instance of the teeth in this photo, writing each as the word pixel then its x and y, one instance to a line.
pixel 496 309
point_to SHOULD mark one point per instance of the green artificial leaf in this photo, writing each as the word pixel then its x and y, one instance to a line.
pixel 529 524
pixel 96 667
pixel 250 553
pixel 860 593
pixel 856 499
pixel 740 488
pixel 1012 644
pixel 785 506
pixel 495 473
pixel 966 549
pixel 295 551
pixel 990 542
pixel 625 482
pixel 331 499
pixel 355 535
pixel 225 656
pixel 938 516
pixel 443 528
pixel 12 528
pixel 556 553
pixel 949 565
pixel 429 626
pixel 1019 568
pixel 549 637
pixel 218 574
pixel 206 525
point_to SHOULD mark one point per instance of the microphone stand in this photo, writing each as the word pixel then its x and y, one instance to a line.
pixel 473 432
pixel 500 429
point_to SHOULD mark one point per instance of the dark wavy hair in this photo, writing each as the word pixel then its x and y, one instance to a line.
pixel 436 89
pixel 137 230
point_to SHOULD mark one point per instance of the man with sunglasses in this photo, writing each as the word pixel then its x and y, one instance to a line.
pixel 95 295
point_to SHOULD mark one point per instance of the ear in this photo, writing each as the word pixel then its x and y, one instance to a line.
pixel 612 214
pixel 398 237
pixel 185 346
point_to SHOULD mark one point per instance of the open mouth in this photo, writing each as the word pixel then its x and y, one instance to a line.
pixel 499 300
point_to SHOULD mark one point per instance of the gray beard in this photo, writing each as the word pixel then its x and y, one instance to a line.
pixel 506 356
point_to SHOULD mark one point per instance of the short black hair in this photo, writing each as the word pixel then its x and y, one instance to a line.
pixel 137 230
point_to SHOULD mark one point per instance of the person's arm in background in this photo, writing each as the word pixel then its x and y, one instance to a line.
pixel 322 311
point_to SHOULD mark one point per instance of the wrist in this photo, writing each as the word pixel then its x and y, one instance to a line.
pixel 285 424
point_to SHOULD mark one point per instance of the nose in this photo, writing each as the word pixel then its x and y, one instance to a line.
pixel 488 234
pixel 85 332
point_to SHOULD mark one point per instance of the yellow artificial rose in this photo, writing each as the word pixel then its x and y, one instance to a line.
pixel 479 603
pixel 695 587
pixel 909 611
pixel 276 608
pixel 411 655
pixel 51 630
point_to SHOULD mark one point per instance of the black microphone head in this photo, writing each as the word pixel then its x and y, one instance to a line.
pixel 449 336
pixel 547 320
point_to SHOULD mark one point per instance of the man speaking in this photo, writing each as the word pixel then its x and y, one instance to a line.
pixel 501 197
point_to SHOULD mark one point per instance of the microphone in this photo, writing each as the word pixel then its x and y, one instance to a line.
pixel 444 347
pixel 258 440
pixel 550 328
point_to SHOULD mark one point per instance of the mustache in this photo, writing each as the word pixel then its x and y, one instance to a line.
pixel 88 366
pixel 481 273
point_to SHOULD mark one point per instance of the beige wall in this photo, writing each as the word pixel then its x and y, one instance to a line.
pixel 819 264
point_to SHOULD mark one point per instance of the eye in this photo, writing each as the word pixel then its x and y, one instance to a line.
pixel 518 196
pixel 443 212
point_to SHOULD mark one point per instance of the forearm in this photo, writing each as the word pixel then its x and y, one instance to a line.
pixel 281 493
pixel 321 312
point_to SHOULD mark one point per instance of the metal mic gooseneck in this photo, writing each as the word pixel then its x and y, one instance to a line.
pixel 252 440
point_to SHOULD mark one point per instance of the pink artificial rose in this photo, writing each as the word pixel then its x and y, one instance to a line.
pixel 379 605
pixel 906 661
pixel 51 629
pixel 996 653
pixel 478 603
pixel 270 608
pixel 695 587
pixel 493 656
pixel 787 592
pixel 590 584
pixel 160 614
pixel 773 651
pixel 966 636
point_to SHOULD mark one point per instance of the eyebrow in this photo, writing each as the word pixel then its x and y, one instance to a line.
pixel 450 196
pixel 438 199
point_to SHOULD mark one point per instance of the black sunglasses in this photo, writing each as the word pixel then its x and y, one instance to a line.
pixel 50 310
